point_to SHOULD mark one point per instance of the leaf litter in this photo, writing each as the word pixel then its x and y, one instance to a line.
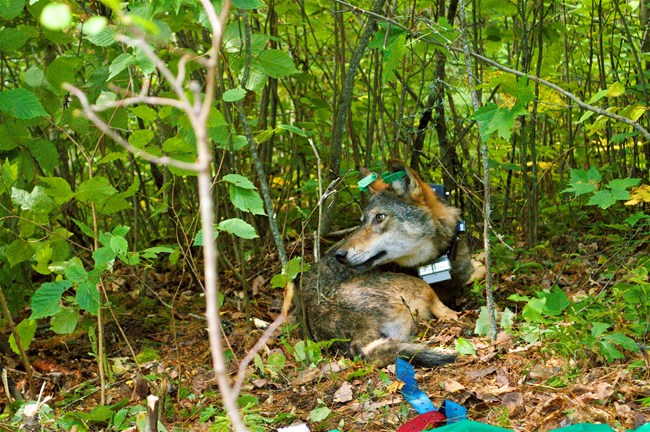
pixel 511 383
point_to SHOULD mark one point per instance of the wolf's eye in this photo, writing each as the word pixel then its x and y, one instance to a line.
pixel 379 218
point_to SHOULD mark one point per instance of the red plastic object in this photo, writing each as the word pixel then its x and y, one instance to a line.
pixel 430 420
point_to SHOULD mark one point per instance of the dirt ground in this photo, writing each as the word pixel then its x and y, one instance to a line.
pixel 509 383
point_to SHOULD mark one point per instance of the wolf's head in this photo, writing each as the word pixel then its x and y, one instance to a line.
pixel 404 223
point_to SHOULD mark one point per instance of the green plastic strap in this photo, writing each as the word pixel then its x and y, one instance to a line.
pixel 389 178
pixel 366 181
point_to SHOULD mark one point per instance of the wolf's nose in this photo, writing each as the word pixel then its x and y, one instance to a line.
pixel 340 255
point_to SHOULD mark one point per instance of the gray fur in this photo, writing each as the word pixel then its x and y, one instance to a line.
pixel 349 295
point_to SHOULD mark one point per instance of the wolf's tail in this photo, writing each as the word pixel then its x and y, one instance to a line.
pixel 383 352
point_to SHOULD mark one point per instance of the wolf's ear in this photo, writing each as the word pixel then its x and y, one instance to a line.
pixel 410 186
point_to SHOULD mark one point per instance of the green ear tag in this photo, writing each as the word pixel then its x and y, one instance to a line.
pixel 366 181
pixel 389 178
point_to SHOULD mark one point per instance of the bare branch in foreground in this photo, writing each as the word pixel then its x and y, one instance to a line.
pixel 89 113
pixel 286 304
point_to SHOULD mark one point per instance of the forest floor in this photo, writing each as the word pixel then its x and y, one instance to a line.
pixel 511 383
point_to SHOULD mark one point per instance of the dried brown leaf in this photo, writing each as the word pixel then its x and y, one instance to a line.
pixel 344 393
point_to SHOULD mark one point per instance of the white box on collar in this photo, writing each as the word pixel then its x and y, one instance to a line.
pixel 436 272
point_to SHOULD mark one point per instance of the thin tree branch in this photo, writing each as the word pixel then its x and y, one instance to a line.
pixel 487 220
pixel 416 35
pixel 566 93
pixel 89 113
pixel 286 304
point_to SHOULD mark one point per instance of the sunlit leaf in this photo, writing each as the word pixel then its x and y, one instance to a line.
pixel 26 330
pixel 21 103
pixel 45 301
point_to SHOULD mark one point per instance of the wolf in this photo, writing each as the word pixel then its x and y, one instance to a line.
pixel 351 295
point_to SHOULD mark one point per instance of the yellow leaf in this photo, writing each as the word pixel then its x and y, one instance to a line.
pixel 633 112
pixel 394 387
pixel 615 89
pixel 639 195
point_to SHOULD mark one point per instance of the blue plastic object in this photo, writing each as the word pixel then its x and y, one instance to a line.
pixel 411 392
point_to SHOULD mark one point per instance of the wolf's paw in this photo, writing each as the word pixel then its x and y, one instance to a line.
pixel 479 269
pixel 443 313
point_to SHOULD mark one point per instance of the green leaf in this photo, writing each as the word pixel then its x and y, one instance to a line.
pixel 585 116
pixel 147 354
pixel 56 16
pixel 36 200
pixel 95 190
pixel 177 146
pixel 112 156
pixel 239 181
pixel 10 9
pixel 120 63
pixel 533 310
pixel 147 66
pixel 619 187
pixel 598 96
pixel 152 252
pixel 507 319
pixel 43 257
pixel 84 228
pixel 45 301
pixel 295 266
pixel 144 112
pixel 247 4
pixel 279 280
pixel 26 330
pixel 76 274
pixel 293 129
pixel 276 63
pixel 238 227
pixel 103 257
pixel 121 230
pixel 21 103
pixel 119 245
pixel 634 219
pixel 247 200
pixel 465 347
pixel 104 38
pixel 482 326
pixel 556 302
pixel 88 297
pixel 140 138
pixel 18 251
pixel 57 188
pixel 393 56
pixel 492 118
pixel 264 136
pixel 61 70
pixel 603 199
pixel 583 182
pixel 623 341
pixel 616 89
pixel 11 39
pixel 234 95
pixel 319 414
pixel 34 76
pixel 198 238
pixel 257 77
pixel 608 351
pixel 598 328
pixel 45 154
pixel 65 321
